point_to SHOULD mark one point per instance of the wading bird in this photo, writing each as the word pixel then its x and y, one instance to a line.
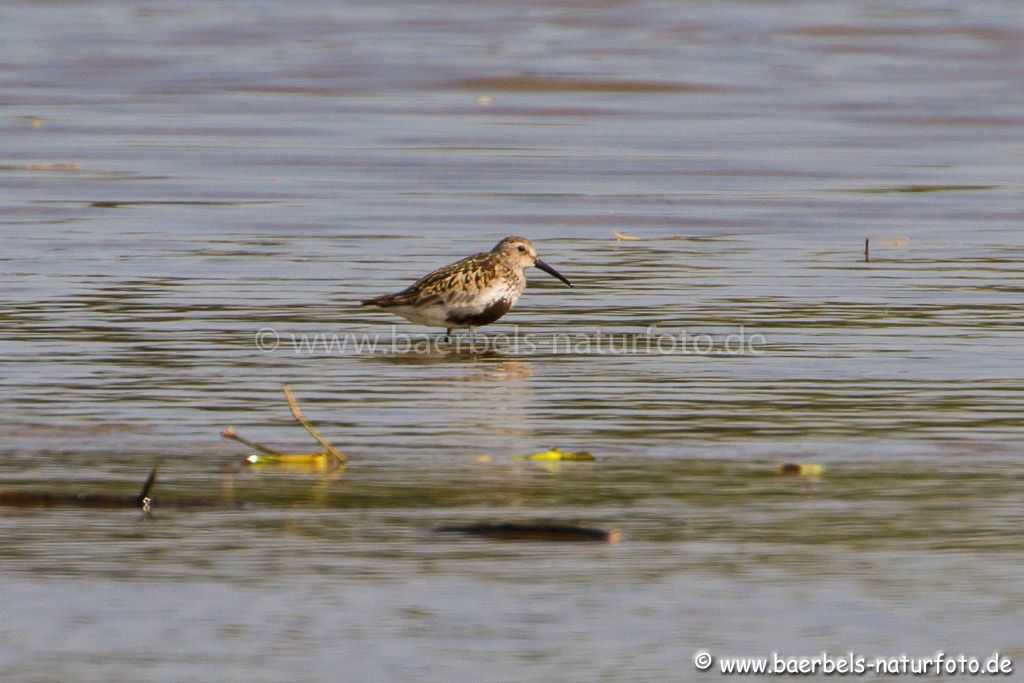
pixel 469 293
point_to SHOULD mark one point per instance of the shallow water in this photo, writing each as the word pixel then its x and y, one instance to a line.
pixel 178 178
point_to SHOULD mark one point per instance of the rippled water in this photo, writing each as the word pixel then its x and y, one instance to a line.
pixel 178 178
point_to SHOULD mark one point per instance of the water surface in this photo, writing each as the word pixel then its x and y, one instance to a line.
pixel 177 178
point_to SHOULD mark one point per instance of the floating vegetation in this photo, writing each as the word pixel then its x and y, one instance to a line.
pixel 912 189
pixel 800 469
pixel 293 461
pixel 517 531
pixel 330 458
pixel 60 166
pixel 558 455
pixel 622 237
pixel 229 433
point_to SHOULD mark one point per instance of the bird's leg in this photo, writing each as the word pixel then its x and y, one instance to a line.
pixel 472 334
pixel 448 335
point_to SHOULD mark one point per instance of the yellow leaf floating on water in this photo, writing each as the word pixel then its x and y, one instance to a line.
pixel 558 455
pixel 801 469
pixel 293 461
pixel 619 237
pixel 483 458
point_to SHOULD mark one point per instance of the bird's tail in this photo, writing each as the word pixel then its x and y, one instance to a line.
pixel 381 301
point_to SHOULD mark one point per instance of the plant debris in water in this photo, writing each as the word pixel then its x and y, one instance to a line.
pixel 327 459
pixel 556 454
pixel 519 531
pixel 800 469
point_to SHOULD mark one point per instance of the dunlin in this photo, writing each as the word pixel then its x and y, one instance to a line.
pixel 469 293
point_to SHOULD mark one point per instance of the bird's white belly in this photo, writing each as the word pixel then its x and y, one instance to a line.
pixel 434 315
pixel 441 313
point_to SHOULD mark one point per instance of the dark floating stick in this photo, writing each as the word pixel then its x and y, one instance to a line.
pixel 143 500
pixel 22 498
pixel 30 499
pixel 867 250
pixel 515 531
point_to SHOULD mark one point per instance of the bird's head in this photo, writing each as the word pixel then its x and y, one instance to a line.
pixel 519 251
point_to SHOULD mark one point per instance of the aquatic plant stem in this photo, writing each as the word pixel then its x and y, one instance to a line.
pixel 229 433
pixel 297 414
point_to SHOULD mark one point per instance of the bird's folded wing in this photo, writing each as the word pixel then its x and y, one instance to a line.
pixel 458 283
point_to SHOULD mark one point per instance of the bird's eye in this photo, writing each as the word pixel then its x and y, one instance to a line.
pixel 521 248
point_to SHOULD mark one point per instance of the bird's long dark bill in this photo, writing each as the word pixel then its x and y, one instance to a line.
pixel 551 271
